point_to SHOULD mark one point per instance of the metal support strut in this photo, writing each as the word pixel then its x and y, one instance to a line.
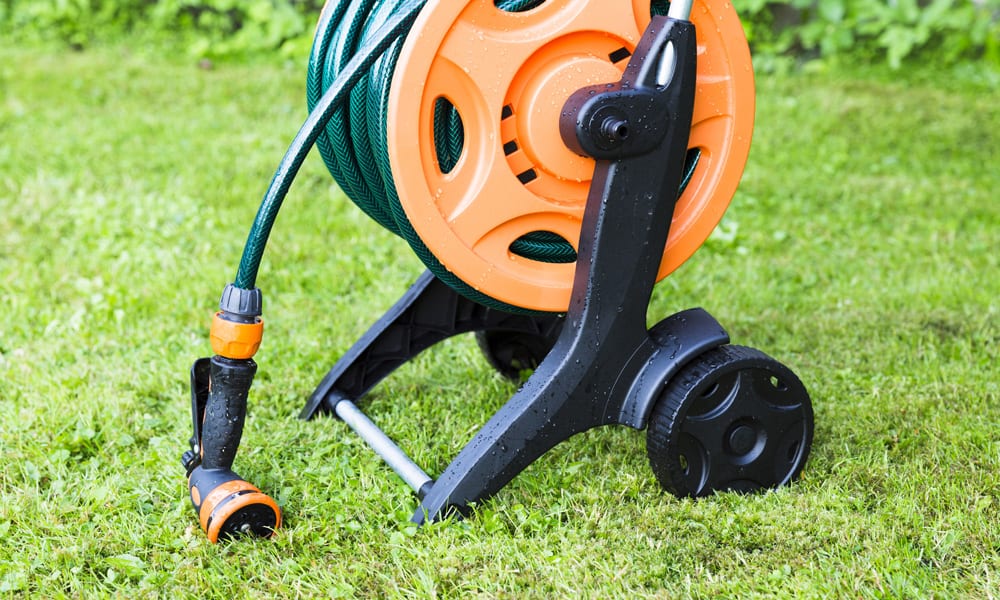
pixel 393 456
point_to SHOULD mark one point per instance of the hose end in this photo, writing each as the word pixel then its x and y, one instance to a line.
pixel 230 507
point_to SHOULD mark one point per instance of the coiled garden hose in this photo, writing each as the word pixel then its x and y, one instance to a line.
pixel 350 73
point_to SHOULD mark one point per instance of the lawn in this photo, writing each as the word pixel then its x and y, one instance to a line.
pixel 862 249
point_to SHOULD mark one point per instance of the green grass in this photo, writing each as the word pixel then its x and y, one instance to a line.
pixel 862 250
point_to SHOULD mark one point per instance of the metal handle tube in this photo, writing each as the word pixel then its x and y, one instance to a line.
pixel 680 9
pixel 393 455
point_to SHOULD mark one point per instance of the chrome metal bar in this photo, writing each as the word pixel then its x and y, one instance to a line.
pixel 393 455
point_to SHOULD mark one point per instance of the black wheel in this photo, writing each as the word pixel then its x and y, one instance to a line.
pixel 733 419
pixel 513 352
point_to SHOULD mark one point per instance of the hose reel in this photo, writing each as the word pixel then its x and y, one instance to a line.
pixel 549 161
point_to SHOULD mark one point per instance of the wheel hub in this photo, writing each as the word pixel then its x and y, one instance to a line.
pixel 536 99
pixel 741 440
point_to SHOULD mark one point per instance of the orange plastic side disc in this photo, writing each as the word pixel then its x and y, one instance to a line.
pixel 508 74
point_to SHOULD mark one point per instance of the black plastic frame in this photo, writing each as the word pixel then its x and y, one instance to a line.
pixel 604 367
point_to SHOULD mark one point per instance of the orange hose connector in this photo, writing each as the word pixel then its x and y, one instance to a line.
pixel 235 340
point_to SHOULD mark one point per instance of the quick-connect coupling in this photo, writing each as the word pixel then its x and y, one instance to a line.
pixel 237 328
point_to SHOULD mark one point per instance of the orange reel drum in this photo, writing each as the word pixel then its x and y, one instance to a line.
pixel 509 74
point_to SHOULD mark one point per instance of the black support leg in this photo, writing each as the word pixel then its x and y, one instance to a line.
pixel 428 313
pixel 586 378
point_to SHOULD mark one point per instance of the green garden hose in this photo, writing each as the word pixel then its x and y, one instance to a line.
pixel 354 142
pixel 394 27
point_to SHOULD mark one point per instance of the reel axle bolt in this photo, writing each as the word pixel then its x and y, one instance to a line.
pixel 614 129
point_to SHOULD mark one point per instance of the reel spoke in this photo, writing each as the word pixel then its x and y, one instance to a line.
pixel 551 18
pixel 522 214
pixel 451 190
pixel 478 60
